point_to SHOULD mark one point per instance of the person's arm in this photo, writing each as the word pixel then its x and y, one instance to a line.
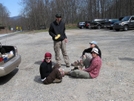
pixel 98 50
pixel 51 31
pixel 65 33
pixel 99 53
pixel 87 51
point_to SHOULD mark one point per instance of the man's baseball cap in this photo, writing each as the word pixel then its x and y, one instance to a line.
pixel 58 15
pixel 95 50
pixel 93 42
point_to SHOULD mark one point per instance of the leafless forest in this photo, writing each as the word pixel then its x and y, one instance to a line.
pixel 36 13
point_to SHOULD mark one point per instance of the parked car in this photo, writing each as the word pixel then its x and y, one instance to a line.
pixel 109 23
pixel 97 23
pixel 9 59
pixel 81 25
pixel 126 23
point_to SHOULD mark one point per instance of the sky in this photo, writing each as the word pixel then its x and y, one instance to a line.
pixel 12 6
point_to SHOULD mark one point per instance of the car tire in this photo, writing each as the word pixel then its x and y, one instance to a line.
pixel 125 28
pixel 82 27
pixel 111 28
pixel 117 29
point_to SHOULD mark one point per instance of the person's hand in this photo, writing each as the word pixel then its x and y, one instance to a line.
pixel 80 67
pixel 57 36
pixel 61 71
pixel 65 40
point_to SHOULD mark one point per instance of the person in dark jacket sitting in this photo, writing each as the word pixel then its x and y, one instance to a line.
pixel 47 73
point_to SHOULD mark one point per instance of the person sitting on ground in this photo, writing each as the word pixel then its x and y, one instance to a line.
pixel 47 73
pixel 86 55
pixel 92 71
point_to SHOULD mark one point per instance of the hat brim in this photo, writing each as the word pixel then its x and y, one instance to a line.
pixel 58 16
pixel 94 52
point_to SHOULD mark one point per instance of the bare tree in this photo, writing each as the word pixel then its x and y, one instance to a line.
pixel 4 15
pixel 42 12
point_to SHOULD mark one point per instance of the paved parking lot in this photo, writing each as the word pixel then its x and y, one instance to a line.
pixel 115 82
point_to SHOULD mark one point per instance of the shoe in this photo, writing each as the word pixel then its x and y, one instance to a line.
pixel 78 67
pixel 57 81
pixel 56 66
pixel 59 64
pixel 67 65
pixel 75 64
pixel 80 63
pixel 74 68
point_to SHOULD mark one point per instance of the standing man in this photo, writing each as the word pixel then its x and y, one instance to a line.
pixel 57 32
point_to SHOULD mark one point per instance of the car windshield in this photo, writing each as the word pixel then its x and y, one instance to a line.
pixel 114 20
pixel 125 18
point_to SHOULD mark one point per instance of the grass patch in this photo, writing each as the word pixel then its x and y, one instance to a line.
pixel 71 26
pixel 68 26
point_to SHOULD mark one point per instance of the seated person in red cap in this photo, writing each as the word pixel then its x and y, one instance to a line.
pixel 92 71
pixel 47 73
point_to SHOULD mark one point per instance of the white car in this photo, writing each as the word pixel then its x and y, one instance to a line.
pixel 81 25
pixel 9 59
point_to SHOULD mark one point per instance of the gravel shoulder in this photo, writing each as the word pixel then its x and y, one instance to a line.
pixel 114 83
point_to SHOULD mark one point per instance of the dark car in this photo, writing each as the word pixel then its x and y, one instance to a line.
pixel 126 23
pixel 109 23
pixel 97 23
pixel 81 25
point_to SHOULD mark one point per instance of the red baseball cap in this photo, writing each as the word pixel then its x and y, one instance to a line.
pixel 47 54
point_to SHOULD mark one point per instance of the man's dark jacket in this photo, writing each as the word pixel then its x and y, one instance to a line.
pixel 56 29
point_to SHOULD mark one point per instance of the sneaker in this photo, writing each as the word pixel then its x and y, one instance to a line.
pixel 75 64
pixel 67 65
pixel 80 63
pixel 57 80
pixel 74 68
pixel 56 66
pixel 59 64
pixel 78 67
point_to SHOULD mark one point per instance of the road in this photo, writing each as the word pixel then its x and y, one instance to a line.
pixel 114 83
